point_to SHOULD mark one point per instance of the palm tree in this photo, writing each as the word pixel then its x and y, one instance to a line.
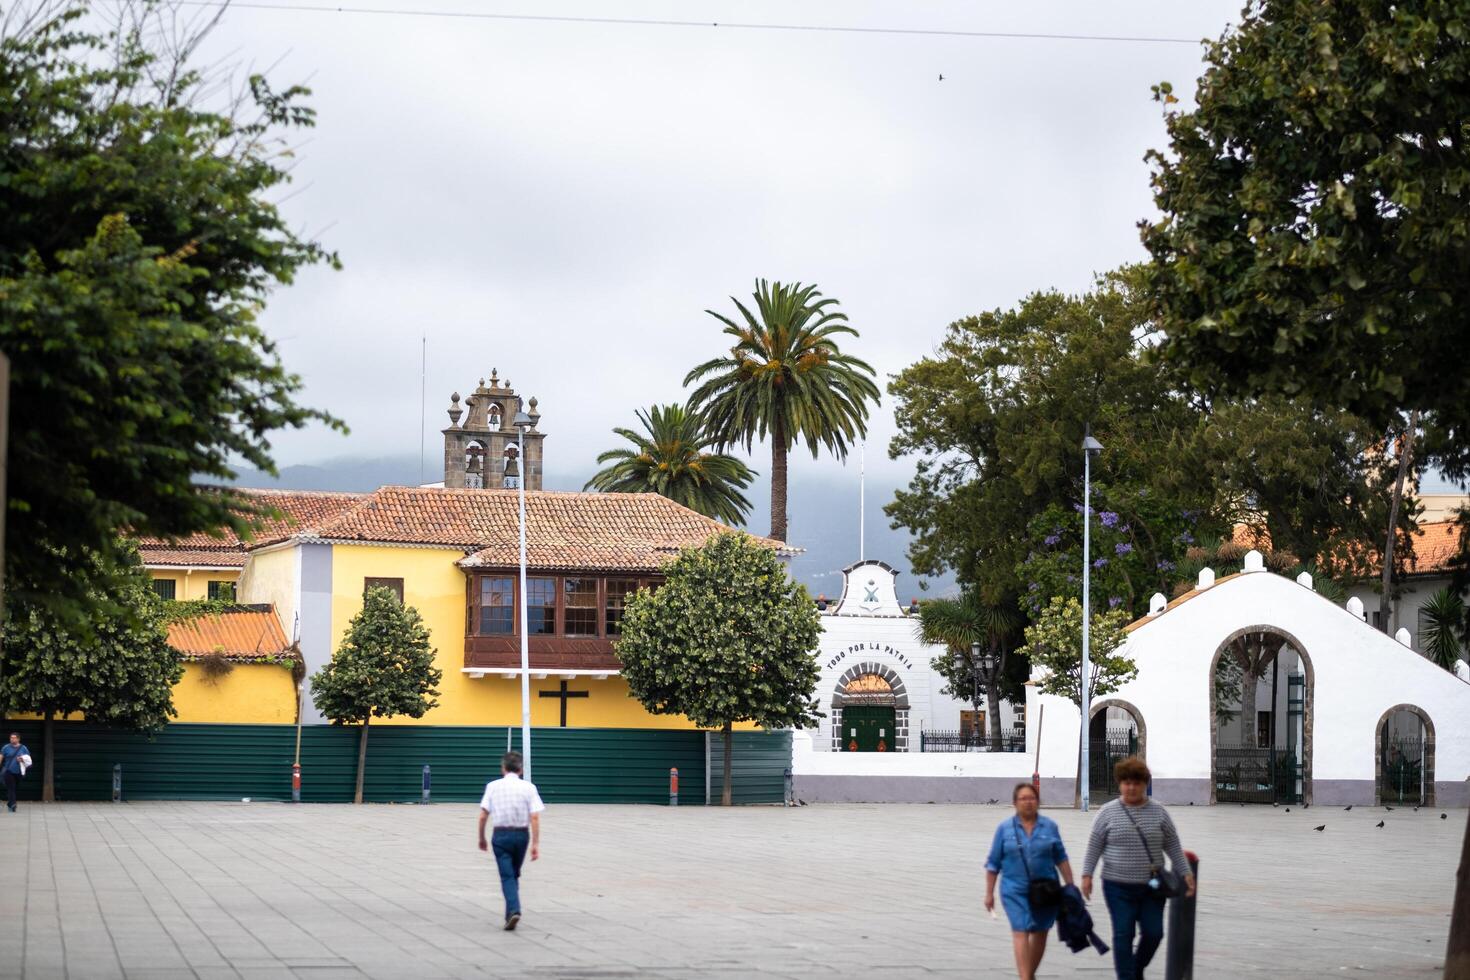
pixel 967 626
pixel 671 460
pixel 1444 617
pixel 785 377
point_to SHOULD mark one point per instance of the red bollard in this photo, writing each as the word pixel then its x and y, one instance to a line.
pixel 295 782
pixel 674 786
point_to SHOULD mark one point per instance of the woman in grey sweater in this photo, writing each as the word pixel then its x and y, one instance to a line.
pixel 1131 835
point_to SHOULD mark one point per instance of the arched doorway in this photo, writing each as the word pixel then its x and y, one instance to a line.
pixel 1115 732
pixel 1403 772
pixel 1261 703
pixel 870 710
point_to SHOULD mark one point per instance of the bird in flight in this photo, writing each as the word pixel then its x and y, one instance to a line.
pixel 1322 827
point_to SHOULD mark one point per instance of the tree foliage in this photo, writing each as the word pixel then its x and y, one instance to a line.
pixel 728 637
pixel 971 630
pixel 383 668
pixel 1315 224
pixel 137 247
pixel 1444 613
pixel 785 377
pixel 671 457
pixel 116 668
pixel 1054 644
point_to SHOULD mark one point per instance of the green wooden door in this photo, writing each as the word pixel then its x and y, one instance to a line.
pixel 867 729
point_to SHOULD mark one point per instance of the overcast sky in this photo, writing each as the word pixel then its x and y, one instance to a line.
pixel 563 201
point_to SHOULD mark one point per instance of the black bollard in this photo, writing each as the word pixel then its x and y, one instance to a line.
pixel 1179 959
pixel 428 783
pixel 117 783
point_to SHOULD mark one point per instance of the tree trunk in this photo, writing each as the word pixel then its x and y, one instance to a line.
pixel 725 798
pixel 992 694
pixel 778 481
pixel 1250 683
pixel 1406 458
pixel 1457 952
pixel 361 760
pixel 48 760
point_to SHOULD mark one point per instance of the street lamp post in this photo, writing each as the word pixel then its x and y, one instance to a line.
pixel 522 423
pixel 1090 448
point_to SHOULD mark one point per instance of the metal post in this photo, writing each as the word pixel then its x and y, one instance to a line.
pixel 1179 959
pixel 525 638
pixel 706 769
pixel 428 781
pixel 295 782
pixel 790 789
pixel 674 786
pixel 1083 770
pixel 116 782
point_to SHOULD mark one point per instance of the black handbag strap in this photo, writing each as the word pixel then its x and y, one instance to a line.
pixel 1142 839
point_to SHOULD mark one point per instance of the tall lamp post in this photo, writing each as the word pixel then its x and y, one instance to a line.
pixel 981 663
pixel 522 423
pixel 1090 448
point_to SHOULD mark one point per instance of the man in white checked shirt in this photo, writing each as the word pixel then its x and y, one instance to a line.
pixel 513 808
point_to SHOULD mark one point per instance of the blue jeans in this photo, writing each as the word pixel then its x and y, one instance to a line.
pixel 509 847
pixel 1130 906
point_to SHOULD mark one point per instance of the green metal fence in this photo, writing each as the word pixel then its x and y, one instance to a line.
pixel 569 765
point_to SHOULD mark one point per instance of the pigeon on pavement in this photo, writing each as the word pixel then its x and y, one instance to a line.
pixel 1380 823
pixel 1322 827
pixel 1348 807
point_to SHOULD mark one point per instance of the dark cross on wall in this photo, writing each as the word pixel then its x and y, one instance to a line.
pixel 563 694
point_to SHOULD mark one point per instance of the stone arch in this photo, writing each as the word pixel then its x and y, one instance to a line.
pixel 1132 709
pixel 1308 708
pixel 1428 760
pixel 900 701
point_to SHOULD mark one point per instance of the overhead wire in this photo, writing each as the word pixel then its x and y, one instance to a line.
pixel 707 24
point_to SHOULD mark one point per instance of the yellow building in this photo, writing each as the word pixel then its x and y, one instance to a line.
pixel 238 667
pixel 453 555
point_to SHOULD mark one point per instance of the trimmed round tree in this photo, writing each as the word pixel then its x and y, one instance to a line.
pixel 728 637
pixel 384 667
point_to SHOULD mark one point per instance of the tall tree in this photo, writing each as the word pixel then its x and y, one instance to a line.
pixel 977 637
pixel 728 637
pixel 996 417
pixel 1054 644
pixel 383 668
pixel 671 457
pixel 115 668
pixel 1444 615
pixel 785 377
pixel 137 247
pixel 1313 234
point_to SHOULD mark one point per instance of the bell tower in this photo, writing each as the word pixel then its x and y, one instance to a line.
pixel 481 452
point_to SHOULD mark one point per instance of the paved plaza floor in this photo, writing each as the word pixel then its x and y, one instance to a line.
pixel 274 891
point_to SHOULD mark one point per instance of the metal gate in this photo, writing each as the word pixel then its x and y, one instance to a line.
pixel 1252 774
pixel 1402 768
pixel 1102 754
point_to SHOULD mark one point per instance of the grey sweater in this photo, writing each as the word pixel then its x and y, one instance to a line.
pixel 1123 854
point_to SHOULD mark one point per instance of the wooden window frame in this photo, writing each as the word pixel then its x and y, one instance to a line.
pixel 394 585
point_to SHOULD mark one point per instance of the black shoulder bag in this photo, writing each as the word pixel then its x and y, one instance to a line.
pixel 1164 881
pixel 1041 893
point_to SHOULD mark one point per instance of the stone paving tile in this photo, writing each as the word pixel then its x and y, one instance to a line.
pixel 274 892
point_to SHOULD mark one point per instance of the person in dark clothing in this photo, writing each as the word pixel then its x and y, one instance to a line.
pixel 14 758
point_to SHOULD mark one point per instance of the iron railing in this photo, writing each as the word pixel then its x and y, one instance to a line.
pixel 1104 753
pixel 1011 739
pixel 1254 774
pixel 1402 770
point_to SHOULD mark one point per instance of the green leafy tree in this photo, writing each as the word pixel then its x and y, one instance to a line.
pixel 383 668
pixel 137 248
pixel 1054 644
pixel 1444 616
pixel 115 668
pixel 785 377
pixel 672 458
pixel 972 632
pixel 728 637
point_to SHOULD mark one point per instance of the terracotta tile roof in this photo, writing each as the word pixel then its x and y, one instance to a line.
pixel 632 531
pixel 1434 545
pixel 295 510
pixel 241 634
